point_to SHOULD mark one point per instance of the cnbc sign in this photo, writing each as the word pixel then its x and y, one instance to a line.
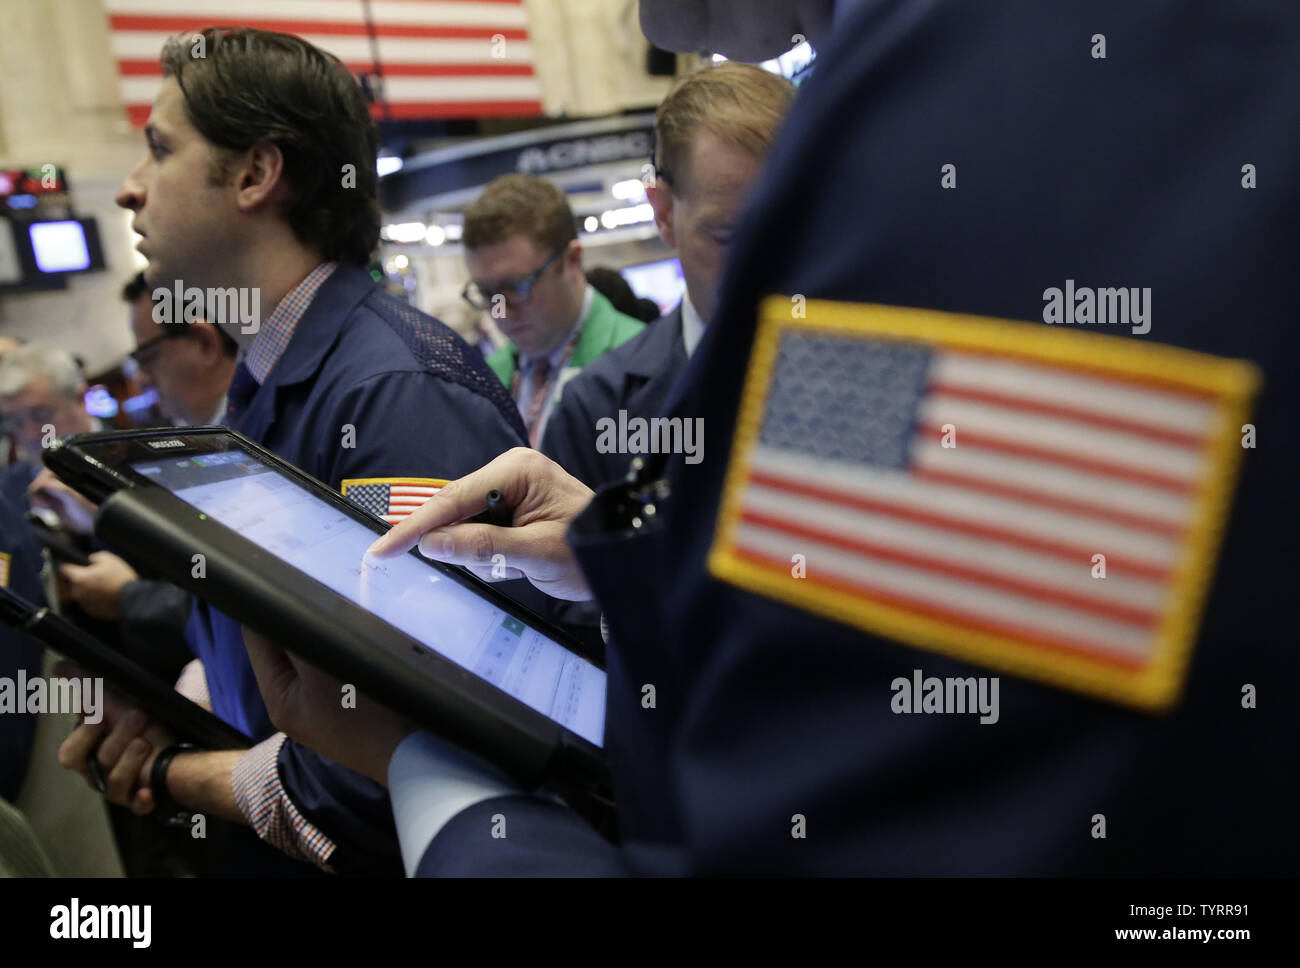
pixel 578 152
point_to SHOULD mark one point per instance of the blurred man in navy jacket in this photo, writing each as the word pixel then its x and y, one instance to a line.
pixel 976 161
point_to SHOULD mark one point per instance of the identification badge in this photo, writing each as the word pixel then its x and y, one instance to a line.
pixel 1036 500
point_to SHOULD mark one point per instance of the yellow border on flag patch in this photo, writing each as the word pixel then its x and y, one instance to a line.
pixel 1230 384
pixel 395 481
pixel 6 563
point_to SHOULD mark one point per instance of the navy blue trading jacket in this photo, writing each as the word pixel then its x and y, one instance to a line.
pixel 635 377
pixel 1120 171
pixel 421 403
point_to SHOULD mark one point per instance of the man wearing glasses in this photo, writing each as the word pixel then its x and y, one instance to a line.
pixel 525 267
pixel 190 366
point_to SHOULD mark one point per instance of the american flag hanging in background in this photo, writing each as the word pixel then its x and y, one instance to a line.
pixel 953 482
pixel 440 59
pixel 391 498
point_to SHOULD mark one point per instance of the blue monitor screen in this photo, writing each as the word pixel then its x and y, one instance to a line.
pixel 661 281
pixel 59 246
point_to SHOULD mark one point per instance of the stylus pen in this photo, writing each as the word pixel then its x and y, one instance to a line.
pixel 96 771
pixel 496 513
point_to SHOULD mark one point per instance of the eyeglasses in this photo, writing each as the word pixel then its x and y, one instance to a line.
pixel 146 352
pixel 516 293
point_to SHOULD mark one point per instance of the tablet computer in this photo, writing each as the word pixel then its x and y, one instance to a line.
pixel 283 553
pixel 188 720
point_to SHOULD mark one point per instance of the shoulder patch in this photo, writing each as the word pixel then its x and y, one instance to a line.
pixel 6 561
pixel 1038 500
pixel 391 498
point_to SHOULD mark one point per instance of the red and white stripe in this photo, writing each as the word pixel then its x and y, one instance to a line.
pixel 405 498
pixel 1051 467
pixel 438 57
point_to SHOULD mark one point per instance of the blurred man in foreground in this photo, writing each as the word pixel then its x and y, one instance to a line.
pixel 920 474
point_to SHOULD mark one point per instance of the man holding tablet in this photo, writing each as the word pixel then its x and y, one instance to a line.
pixel 258 192
pixel 766 605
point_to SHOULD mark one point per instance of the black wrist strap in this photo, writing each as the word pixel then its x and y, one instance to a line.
pixel 166 809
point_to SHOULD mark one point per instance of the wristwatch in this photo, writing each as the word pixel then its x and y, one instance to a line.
pixel 166 809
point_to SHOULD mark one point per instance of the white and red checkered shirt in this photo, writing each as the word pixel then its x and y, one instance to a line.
pixel 261 797
pixel 277 329
pixel 266 806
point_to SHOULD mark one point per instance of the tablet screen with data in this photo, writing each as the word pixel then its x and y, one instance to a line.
pixel 308 532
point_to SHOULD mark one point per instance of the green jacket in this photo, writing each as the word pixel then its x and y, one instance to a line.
pixel 605 328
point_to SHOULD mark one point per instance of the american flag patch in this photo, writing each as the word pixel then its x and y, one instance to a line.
pixel 1041 501
pixel 391 498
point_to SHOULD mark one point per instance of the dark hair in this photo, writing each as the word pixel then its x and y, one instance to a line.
pixel 647 310
pixel 137 288
pixel 243 86
pixel 514 204
pixel 611 284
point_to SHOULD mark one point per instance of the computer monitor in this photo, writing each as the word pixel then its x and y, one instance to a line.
pixel 661 281
pixel 65 245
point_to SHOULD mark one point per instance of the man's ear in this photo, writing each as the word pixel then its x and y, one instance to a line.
pixel 573 257
pixel 259 176
pixel 661 200
pixel 208 340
